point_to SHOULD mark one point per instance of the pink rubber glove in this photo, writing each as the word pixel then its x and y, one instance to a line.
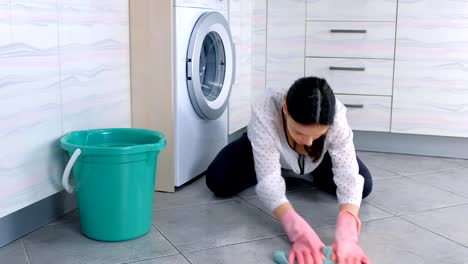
pixel 346 245
pixel 307 246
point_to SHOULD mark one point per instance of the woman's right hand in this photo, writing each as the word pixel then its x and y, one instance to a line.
pixel 307 246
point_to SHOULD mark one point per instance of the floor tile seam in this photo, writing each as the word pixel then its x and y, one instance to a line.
pixel 260 209
pixel 378 207
pixel 292 191
pixel 431 172
pixel 433 232
pixel 28 259
pixel 233 244
pixel 432 209
pixel 387 178
pixel 201 203
pixel 435 186
pixel 170 242
pixel 147 259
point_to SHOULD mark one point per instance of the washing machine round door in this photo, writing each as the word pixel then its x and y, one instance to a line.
pixel 210 65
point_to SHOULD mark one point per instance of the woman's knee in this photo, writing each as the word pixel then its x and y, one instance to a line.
pixel 219 181
pixel 368 183
pixel 214 180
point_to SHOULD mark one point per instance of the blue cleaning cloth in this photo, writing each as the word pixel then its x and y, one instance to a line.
pixel 280 257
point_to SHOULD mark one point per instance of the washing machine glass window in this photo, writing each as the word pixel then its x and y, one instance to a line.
pixel 212 66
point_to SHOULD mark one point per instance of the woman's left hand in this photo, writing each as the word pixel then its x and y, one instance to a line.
pixel 345 246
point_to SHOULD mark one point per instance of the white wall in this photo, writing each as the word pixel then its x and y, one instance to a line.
pixel 64 66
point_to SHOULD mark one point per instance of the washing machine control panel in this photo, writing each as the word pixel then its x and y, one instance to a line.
pixel 209 4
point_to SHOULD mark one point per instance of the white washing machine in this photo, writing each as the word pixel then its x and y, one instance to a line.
pixel 204 74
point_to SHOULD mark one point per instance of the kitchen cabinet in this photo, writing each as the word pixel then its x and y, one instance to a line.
pixel 285 43
pixel 351 45
pixel 356 10
pixel 241 24
pixel 259 41
pixel 431 65
pixel 248 22
pixel 354 76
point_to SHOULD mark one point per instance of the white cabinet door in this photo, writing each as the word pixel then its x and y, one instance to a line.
pixel 431 68
pixel 240 21
pixel 259 49
pixel 285 42
pixel 355 10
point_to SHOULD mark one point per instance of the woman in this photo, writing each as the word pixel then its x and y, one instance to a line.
pixel 304 131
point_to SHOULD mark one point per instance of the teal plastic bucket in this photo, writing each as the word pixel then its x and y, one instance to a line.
pixel 115 174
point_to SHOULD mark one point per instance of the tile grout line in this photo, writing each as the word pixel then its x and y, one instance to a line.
pixel 292 191
pixel 414 174
pixel 416 212
pixel 147 259
pixel 434 186
pixel 432 209
pixel 235 244
pixel 261 210
pixel 431 172
pixel 382 209
pixel 202 203
pixel 387 178
pixel 170 242
pixel 439 235
pixel 25 251
pixel 384 169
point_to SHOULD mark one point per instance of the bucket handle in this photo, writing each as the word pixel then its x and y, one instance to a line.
pixel 66 172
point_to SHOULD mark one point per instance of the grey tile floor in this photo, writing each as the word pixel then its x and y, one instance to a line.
pixel 417 213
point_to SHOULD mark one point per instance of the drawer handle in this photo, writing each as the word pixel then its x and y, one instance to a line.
pixel 354 105
pixel 358 31
pixel 333 68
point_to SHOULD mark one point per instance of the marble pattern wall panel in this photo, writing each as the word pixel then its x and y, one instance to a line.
pixel 53 79
pixel 285 43
pixel 431 68
pixel 30 112
pixel 94 59
pixel 5 22
pixel 240 21
pixel 259 49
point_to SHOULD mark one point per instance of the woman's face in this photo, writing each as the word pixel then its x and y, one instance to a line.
pixel 303 134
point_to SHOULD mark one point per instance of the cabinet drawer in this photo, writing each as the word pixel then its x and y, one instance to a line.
pixel 356 10
pixel 431 97
pixel 350 39
pixel 354 76
pixel 370 113
pixel 430 36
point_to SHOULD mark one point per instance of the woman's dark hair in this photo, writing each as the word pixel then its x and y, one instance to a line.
pixel 310 100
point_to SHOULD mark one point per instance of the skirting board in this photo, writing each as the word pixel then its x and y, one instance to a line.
pixel 437 146
pixel 30 218
pixel 237 134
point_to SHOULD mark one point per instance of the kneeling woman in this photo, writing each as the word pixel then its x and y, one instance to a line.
pixel 303 130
